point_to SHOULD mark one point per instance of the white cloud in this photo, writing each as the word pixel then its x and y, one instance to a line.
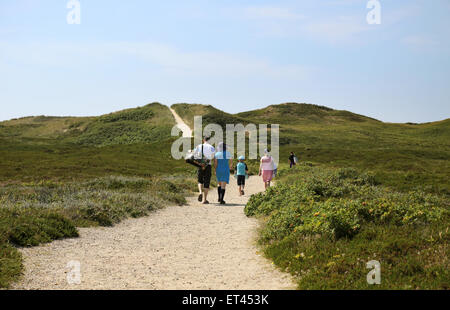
pixel 423 43
pixel 270 12
pixel 164 57
pixel 320 22
pixel 179 62
pixel 419 40
pixel 343 28
pixel 406 13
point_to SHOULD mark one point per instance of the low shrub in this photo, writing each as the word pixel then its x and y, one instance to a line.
pixel 39 212
pixel 312 209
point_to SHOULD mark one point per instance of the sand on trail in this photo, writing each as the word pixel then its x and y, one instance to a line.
pixel 187 131
pixel 179 247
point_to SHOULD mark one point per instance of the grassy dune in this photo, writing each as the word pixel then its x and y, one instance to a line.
pixel 132 142
pixel 324 223
pixel 210 115
pixel 143 124
pixel 57 173
pixel 404 156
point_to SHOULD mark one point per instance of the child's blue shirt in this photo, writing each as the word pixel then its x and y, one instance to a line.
pixel 241 168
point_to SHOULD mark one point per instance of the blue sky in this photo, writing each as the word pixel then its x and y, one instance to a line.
pixel 234 55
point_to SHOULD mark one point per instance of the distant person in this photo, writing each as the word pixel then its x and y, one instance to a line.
pixel 292 160
pixel 241 173
pixel 204 153
pixel 222 162
pixel 266 168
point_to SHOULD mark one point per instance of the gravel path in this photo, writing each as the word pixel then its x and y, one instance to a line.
pixel 188 247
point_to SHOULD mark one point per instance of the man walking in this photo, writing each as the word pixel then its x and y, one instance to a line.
pixel 204 153
pixel 292 160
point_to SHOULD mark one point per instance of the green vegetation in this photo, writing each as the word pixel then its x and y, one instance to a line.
pixel 132 142
pixel 323 225
pixel 150 123
pixel 54 160
pixel 210 115
pixel 324 221
pixel 59 173
pixel 404 156
pixel 39 212
pixel 141 125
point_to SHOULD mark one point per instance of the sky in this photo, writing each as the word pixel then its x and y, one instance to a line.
pixel 236 55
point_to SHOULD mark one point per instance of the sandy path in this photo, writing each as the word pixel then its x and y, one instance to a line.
pixel 188 247
pixel 187 131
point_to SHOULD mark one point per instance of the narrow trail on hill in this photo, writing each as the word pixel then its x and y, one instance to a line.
pixel 179 247
pixel 187 132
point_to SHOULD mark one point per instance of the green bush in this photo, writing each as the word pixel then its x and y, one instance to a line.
pixel 10 263
pixel 101 133
pixel 319 208
pixel 32 227
pixel 138 114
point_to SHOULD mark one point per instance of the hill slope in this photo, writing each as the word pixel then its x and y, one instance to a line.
pixel 403 155
pixel 143 124
pixel 130 142
pixel 210 115
pixel 64 154
pixel 295 113
pixel 146 124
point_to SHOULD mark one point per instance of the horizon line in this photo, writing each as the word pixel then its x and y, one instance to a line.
pixel 191 103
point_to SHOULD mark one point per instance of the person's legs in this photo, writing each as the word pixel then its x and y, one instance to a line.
pixel 219 185
pixel 220 191
pixel 200 183
pixel 206 182
pixel 205 194
pixel 222 186
pixel 239 183
pixel 265 175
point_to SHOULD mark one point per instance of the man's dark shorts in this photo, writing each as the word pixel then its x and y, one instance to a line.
pixel 241 180
pixel 204 176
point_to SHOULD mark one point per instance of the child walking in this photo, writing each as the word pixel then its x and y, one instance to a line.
pixel 241 172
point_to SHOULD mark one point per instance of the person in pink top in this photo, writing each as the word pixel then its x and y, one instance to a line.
pixel 266 168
